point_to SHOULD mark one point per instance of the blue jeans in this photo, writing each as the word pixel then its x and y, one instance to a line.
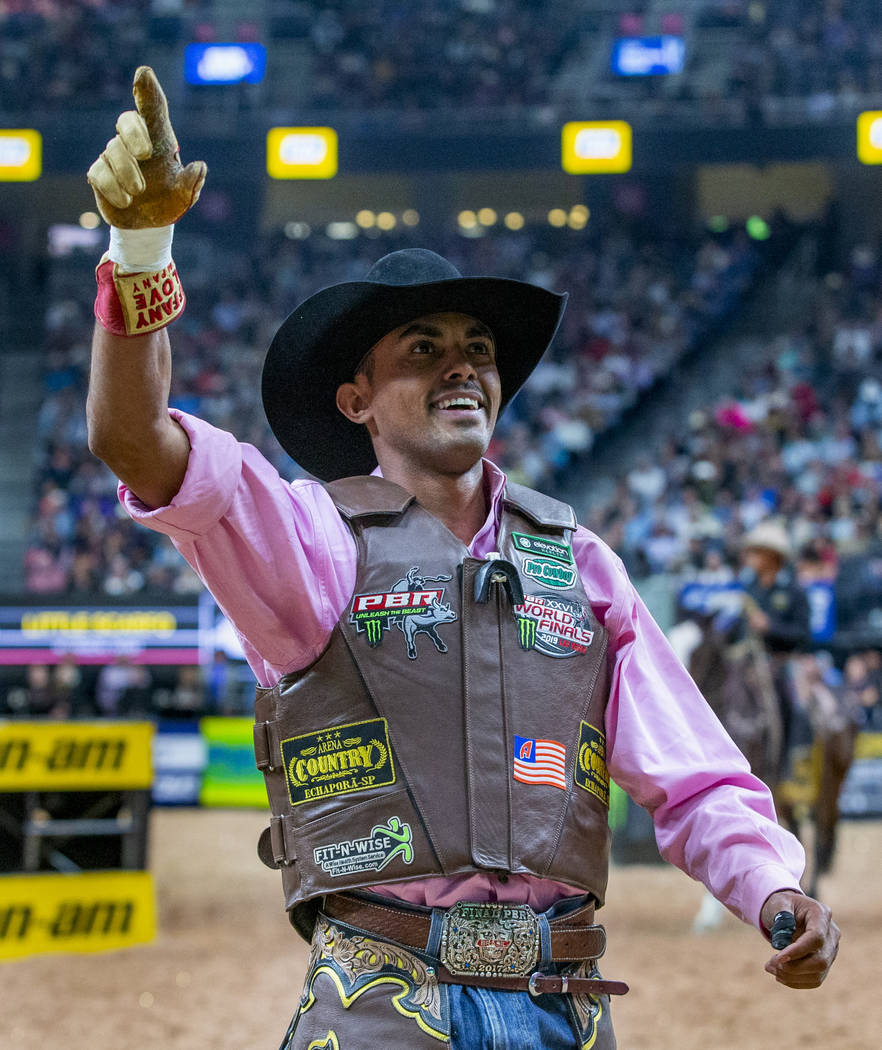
pixel 487 1019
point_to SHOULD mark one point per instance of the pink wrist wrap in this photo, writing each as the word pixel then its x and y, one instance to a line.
pixel 137 303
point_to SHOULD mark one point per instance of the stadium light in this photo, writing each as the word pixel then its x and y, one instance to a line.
pixel 596 146
pixel 514 220
pixel 224 63
pixel 21 155
pixel 410 217
pixel 869 137
pixel 301 153
pixel 487 216
pixel 365 218
pixel 386 220
pixel 557 217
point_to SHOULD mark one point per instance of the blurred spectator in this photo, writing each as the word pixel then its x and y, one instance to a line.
pixel 120 687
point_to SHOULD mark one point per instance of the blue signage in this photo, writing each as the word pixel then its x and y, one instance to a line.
pixel 224 63
pixel 643 56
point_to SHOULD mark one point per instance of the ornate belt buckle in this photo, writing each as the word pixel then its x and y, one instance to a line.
pixel 490 940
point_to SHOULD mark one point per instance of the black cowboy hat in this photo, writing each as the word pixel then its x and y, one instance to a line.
pixel 322 342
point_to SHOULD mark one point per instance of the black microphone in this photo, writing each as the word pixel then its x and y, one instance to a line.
pixel 783 928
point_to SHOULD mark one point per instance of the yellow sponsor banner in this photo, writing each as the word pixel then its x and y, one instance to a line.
pixel 83 912
pixel 21 154
pixel 869 745
pixel 301 153
pixel 592 146
pixel 75 756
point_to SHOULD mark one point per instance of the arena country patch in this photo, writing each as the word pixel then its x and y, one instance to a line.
pixel 550 572
pixel 591 772
pixel 410 605
pixel 338 760
pixel 554 626
pixel 543 547
pixel 370 853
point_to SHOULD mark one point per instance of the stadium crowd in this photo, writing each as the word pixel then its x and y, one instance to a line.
pixel 637 305
pixel 800 441
pixel 493 54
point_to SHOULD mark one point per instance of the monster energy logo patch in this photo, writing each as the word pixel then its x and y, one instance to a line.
pixel 526 632
pixel 543 547
pixel 550 572
pixel 591 772
pixel 371 853
pixel 553 625
pixel 338 760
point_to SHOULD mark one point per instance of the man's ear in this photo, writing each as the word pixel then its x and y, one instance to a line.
pixel 353 403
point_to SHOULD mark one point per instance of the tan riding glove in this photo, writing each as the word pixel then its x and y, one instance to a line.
pixel 142 189
pixel 139 181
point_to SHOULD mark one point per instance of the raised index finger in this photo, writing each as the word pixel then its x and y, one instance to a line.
pixel 151 103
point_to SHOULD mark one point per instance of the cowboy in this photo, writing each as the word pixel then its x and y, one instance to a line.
pixel 440 822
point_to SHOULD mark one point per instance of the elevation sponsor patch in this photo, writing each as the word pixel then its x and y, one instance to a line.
pixel 339 760
pixel 548 572
pixel 553 625
pixel 543 547
pixel 410 605
pixel 591 772
pixel 370 853
pixel 540 762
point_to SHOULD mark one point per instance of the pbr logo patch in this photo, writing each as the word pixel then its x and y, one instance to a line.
pixel 553 625
pixel 543 547
pixel 591 772
pixel 371 853
pixel 410 605
pixel 549 572
pixel 337 761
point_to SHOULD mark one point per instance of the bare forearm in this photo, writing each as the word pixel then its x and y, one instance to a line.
pixel 127 413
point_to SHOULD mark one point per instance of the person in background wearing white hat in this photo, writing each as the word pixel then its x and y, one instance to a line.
pixel 777 610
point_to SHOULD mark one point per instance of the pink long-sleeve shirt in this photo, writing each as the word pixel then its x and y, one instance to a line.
pixel 281 564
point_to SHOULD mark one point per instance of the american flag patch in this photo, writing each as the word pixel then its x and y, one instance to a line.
pixel 540 762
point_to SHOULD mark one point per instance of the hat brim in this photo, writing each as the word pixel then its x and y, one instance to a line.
pixel 322 342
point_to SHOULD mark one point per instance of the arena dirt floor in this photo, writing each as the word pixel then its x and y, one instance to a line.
pixel 225 970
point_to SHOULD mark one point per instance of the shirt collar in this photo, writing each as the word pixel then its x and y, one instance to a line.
pixel 484 539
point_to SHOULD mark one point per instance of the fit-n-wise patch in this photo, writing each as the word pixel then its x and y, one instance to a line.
pixel 591 772
pixel 543 547
pixel 338 760
pixel 369 853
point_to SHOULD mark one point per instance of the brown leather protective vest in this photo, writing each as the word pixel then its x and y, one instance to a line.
pixel 449 727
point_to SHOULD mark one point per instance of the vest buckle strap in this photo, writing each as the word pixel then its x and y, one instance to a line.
pixel 490 939
pixel 262 752
pixel 281 854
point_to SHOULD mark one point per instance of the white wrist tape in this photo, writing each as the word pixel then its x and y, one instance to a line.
pixel 141 251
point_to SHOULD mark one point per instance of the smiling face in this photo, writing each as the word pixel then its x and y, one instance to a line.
pixel 429 394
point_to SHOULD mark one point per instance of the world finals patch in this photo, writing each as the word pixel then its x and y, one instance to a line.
pixel 553 625
pixel 338 761
pixel 591 772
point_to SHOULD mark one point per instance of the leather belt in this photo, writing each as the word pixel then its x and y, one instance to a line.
pixel 574 938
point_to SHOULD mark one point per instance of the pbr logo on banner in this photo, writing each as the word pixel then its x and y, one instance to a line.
pixel 540 762
pixel 552 625
pixel 410 605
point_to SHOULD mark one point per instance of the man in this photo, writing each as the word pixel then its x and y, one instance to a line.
pixel 439 799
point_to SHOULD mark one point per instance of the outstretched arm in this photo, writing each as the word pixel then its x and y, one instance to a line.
pixel 141 189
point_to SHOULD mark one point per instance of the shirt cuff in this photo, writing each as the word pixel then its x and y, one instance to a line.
pixel 760 884
pixel 213 472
